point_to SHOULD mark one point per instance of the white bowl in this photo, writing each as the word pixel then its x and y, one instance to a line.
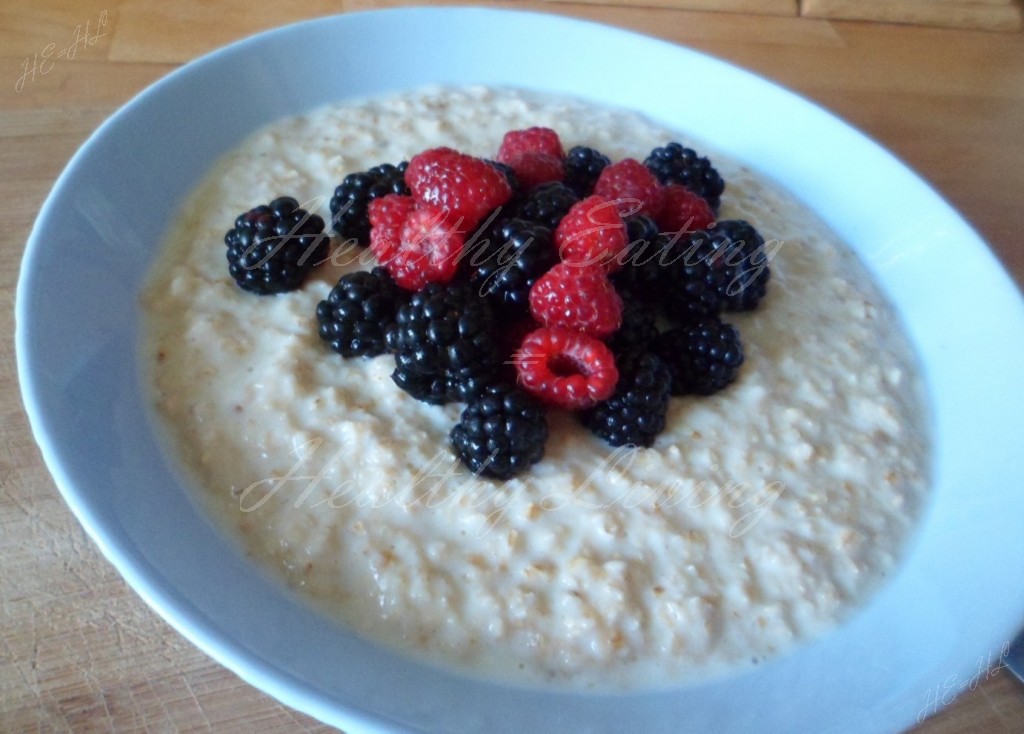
pixel 957 597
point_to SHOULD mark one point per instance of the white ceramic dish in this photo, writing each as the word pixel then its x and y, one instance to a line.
pixel 954 601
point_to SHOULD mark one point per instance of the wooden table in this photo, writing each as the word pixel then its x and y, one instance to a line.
pixel 78 650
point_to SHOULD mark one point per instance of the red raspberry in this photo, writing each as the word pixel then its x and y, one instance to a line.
pixel 577 297
pixel 387 214
pixel 531 140
pixel 534 169
pixel 592 233
pixel 468 187
pixel 428 250
pixel 633 186
pixel 566 368
pixel 683 211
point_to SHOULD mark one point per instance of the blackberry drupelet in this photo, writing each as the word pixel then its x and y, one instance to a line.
pixel 676 164
pixel 518 252
pixel 635 414
pixel 445 333
pixel 639 327
pixel 502 433
pixel 703 357
pixel 638 272
pixel 582 167
pixel 740 262
pixel 688 279
pixel 349 216
pixel 547 204
pixel 272 248
pixel 354 318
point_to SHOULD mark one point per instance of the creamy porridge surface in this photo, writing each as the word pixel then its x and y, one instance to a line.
pixel 761 517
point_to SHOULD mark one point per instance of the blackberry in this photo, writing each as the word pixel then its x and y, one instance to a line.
pixel 687 278
pixel 547 204
pixel 354 317
pixel 516 255
pixel 582 167
pixel 635 413
pixel 740 263
pixel 501 433
pixel 272 248
pixel 703 357
pixel 677 164
pixel 637 273
pixel 349 215
pixel 639 326
pixel 444 333
pixel 428 387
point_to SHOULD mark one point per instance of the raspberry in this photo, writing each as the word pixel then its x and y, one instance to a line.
pixel 577 297
pixel 592 233
pixel 566 368
pixel 272 248
pixel 531 140
pixel 501 433
pixel 677 164
pixel 632 186
pixel 534 169
pixel 353 195
pixel 387 215
pixel 468 188
pixel 428 251
pixel 683 211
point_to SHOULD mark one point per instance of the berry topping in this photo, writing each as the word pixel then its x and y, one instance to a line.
pixel 577 297
pixel 272 248
pixel 703 357
pixel 444 338
pixel 429 249
pixel 632 187
pixel 531 140
pixel 351 200
pixel 639 326
pixel 582 167
pixel 635 414
pixel 676 164
pixel 741 261
pixel 468 188
pixel 683 211
pixel 355 316
pixel 534 169
pixel 501 433
pixel 592 233
pixel 387 216
pixel 547 204
pixel 515 256
pixel 566 368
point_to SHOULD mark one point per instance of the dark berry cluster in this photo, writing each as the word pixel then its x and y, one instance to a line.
pixel 351 201
pixel 675 163
pixel 562 298
pixel 272 248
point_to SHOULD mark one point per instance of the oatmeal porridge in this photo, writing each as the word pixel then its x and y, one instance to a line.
pixel 762 516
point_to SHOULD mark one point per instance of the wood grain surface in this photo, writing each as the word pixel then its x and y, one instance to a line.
pixel 78 650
